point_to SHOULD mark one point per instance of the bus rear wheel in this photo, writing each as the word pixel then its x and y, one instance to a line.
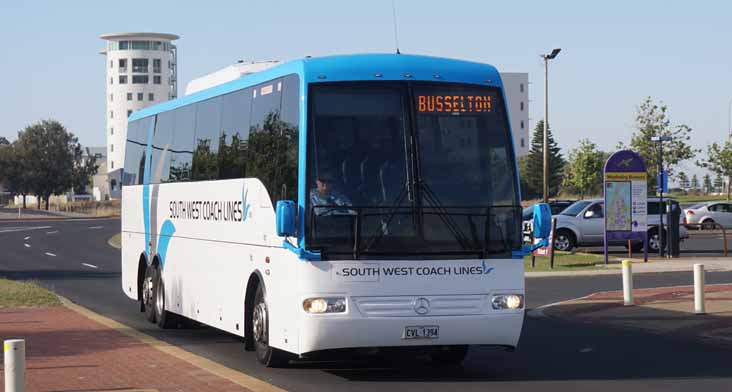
pixel 148 292
pixel 266 355
pixel 163 318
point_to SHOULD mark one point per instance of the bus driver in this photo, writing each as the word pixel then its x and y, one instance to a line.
pixel 324 195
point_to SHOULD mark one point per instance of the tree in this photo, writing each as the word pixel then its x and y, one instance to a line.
pixel 83 170
pixel 532 167
pixel 4 141
pixel 719 161
pixel 652 120
pixel 683 180
pixel 49 156
pixel 14 171
pixel 718 183
pixel 707 184
pixel 584 168
pixel 694 182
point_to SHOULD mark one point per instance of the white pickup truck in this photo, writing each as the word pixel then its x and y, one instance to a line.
pixel 582 224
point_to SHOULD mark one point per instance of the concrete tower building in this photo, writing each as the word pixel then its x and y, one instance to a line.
pixel 141 71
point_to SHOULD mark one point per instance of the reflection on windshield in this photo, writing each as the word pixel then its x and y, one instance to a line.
pixel 382 185
pixel 575 208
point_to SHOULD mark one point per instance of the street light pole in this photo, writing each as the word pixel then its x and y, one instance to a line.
pixel 660 179
pixel 661 208
pixel 729 121
pixel 546 58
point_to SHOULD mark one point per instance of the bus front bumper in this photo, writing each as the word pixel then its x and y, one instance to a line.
pixel 325 332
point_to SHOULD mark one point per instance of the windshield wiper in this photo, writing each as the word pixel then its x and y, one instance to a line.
pixel 384 224
pixel 445 216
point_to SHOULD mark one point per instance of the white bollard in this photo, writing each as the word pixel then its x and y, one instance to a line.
pixel 627 282
pixel 14 365
pixel 699 289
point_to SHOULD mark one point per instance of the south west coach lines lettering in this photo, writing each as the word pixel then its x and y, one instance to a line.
pixel 413 271
pixel 219 211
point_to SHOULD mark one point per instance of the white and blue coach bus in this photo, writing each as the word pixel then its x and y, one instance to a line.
pixel 330 203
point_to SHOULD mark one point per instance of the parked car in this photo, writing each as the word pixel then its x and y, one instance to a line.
pixel 527 215
pixel 709 213
pixel 582 224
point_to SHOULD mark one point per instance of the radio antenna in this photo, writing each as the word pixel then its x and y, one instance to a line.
pixel 396 33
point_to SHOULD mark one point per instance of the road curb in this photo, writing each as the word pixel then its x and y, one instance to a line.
pixel 614 271
pixel 239 378
pixel 61 218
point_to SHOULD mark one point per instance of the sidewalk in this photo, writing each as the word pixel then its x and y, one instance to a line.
pixel 653 265
pixel 66 350
pixel 667 311
pixel 7 214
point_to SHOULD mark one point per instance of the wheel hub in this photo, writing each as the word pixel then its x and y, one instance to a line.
pixel 147 290
pixel 259 323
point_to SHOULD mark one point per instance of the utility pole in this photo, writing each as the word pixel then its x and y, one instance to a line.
pixel 660 179
pixel 546 58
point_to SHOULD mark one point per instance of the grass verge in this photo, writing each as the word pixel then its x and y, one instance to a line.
pixel 116 241
pixel 567 261
pixel 687 199
pixel 19 294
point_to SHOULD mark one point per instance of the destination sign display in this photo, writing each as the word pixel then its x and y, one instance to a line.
pixel 454 103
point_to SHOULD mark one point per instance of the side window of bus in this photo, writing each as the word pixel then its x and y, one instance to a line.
pixel 290 115
pixel 135 155
pixel 184 121
pixel 162 141
pixel 236 108
pixel 208 134
pixel 265 131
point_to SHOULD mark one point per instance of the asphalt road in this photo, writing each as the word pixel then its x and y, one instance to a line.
pixel 73 259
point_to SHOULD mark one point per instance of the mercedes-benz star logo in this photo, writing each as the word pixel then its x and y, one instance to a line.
pixel 422 305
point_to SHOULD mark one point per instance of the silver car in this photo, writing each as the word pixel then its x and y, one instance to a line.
pixel 582 224
pixel 709 213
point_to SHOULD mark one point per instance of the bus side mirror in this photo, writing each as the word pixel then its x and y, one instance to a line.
pixel 285 218
pixel 542 220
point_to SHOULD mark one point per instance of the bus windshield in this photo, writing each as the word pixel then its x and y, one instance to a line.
pixel 410 169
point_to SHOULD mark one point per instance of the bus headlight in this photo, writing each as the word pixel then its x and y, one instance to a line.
pixel 324 305
pixel 507 301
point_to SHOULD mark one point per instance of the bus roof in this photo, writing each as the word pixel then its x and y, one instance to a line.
pixel 355 67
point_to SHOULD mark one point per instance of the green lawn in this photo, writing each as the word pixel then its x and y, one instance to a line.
pixel 697 198
pixel 17 294
pixel 116 241
pixel 566 261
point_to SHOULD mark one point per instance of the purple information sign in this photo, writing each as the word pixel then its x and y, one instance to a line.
pixel 626 198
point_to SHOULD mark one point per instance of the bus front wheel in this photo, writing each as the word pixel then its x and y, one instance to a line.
pixel 266 355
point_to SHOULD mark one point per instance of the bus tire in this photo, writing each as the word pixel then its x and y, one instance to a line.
pixel 148 292
pixel 266 355
pixel 163 318
pixel 449 355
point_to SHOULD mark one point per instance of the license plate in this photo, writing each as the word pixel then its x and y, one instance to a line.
pixel 422 332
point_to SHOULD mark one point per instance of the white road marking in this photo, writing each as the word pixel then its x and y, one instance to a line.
pixel 90 265
pixel 26 238
pixel 52 232
pixel 27 245
pixel 95 227
pixel 14 229
pixel 50 254
pixel 586 350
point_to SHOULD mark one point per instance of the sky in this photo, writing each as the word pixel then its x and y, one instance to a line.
pixel 614 54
